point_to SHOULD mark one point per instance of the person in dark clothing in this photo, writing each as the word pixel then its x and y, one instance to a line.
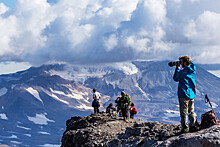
pixel 110 108
pixel 133 111
pixel 124 105
pixel 118 105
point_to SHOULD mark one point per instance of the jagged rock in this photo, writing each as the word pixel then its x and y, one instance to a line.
pixel 205 138
pixel 103 130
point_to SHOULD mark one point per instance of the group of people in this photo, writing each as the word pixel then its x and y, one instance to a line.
pixel 123 104
pixel 184 74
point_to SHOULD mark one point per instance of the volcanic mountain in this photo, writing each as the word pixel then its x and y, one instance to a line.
pixel 36 103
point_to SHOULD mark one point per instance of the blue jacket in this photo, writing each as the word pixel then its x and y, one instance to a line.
pixel 186 79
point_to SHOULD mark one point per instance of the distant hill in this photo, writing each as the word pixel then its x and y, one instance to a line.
pixel 210 66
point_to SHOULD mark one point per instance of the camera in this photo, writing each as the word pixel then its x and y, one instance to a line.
pixel 174 63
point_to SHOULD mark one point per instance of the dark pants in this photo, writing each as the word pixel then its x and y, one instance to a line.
pixel 124 112
pixel 96 109
pixel 131 115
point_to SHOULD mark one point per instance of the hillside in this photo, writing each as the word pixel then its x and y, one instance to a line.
pixel 103 130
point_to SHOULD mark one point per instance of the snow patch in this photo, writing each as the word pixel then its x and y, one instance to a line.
pixel 45 133
pixel 13 137
pixel 28 135
pixel 75 94
pixel 3 116
pixel 16 142
pixel 23 127
pixel 83 106
pixel 50 145
pixel 13 86
pixel 56 98
pixel 214 105
pixel 78 95
pixel 172 113
pixel 40 119
pixel 144 94
pixel 215 72
pixel 3 91
pixel 34 93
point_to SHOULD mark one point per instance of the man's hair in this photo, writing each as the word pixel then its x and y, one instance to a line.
pixel 186 59
pixel 94 90
pixel 132 104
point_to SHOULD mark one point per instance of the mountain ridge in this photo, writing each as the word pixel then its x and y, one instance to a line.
pixel 41 99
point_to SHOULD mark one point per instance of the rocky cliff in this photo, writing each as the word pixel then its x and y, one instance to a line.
pixel 105 130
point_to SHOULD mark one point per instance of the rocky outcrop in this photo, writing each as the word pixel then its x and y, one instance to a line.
pixel 104 130
pixel 205 138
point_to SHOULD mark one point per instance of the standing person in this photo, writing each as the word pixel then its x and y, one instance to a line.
pixel 124 105
pixel 186 92
pixel 96 101
pixel 133 111
pixel 118 105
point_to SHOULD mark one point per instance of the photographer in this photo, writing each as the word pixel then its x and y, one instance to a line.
pixel 186 92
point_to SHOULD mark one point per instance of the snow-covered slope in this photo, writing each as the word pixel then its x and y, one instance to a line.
pixel 35 105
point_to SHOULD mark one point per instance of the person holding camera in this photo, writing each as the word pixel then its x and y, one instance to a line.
pixel 186 92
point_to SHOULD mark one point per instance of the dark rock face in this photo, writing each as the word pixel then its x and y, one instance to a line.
pixel 206 138
pixel 103 130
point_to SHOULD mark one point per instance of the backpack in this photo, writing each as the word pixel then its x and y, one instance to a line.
pixel 208 119
pixel 133 110
pixel 98 102
pixel 128 99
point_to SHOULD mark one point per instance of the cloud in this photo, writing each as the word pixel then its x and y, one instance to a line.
pixel 86 32
pixel 3 8
pixel 204 30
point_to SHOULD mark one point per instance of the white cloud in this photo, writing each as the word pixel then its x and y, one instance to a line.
pixel 3 8
pixel 193 1
pixel 111 42
pixel 126 67
pixel 204 30
pixel 204 34
pixel 83 31
pixel 177 1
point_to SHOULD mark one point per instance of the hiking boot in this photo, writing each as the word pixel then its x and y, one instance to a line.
pixel 193 129
pixel 185 130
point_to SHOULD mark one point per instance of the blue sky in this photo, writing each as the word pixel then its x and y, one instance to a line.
pixel 107 31
pixel 9 3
